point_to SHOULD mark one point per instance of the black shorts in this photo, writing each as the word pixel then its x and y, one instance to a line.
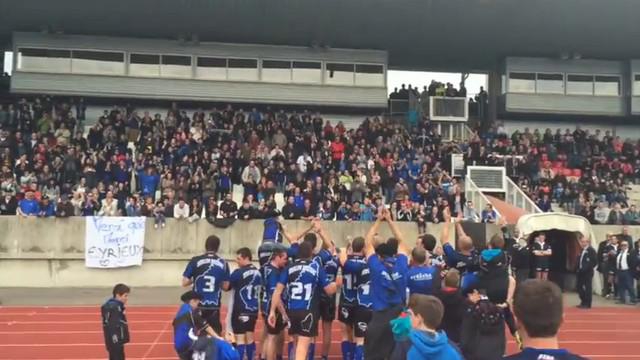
pixel 328 308
pixel 243 323
pixel 303 323
pixel 280 324
pixel 542 265
pixel 346 313
pixel 212 317
pixel 361 319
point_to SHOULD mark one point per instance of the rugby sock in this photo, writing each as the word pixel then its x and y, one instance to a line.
pixel 290 350
pixel 251 349
pixel 241 348
pixel 346 350
pixel 312 351
pixel 352 350
pixel 358 354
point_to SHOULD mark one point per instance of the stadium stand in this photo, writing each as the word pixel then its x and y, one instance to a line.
pixel 128 161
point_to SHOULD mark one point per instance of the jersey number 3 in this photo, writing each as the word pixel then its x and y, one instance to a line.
pixel 209 284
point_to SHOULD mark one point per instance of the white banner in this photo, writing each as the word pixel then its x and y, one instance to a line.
pixel 112 242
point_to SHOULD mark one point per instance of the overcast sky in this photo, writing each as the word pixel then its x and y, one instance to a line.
pixel 394 78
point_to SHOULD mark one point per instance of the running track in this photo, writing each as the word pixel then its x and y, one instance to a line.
pixel 74 333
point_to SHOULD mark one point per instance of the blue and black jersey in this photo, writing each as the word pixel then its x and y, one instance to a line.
pixel 330 266
pixel 270 277
pixel 303 279
pixel 388 278
pixel 208 272
pixel 423 280
pixel 187 321
pixel 246 283
pixel 350 271
pixel 467 265
pixel 363 284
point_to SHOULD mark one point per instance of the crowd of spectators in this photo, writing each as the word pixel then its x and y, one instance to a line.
pixel 582 172
pixel 186 165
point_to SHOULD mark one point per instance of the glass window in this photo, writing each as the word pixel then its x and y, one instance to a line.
pixel 175 66
pixel 97 62
pixel 636 85
pixel 339 74
pixel 522 82
pixel 307 72
pixel 369 75
pixel 550 84
pixel 211 68
pixel 46 60
pixel 276 71
pixel 243 69
pixel 579 84
pixel 144 65
pixel 607 85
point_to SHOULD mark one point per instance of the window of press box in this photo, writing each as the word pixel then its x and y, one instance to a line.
pixel 276 71
pixel 308 72
pixel 45 60
pixel 243 69
pixel 175 66
pixel 97 62
pixel 339 74
pixel 144 65
pixel 579 84
pixel 369 75
pixel 210 68
pixel 522 82
pixel 606 85
pixel 549 83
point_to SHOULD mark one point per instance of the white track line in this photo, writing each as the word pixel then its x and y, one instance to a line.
pixel 156 341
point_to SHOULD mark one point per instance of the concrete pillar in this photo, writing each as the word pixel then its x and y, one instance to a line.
pixel 494 89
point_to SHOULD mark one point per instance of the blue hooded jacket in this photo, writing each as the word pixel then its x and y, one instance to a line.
pixel 427 346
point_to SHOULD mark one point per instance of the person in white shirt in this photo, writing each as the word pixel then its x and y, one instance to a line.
pixel 181 210
pixel 302 162
pixel 625 263
pixel 109 206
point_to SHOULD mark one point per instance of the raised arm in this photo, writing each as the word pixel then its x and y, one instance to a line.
pixel 444 234
pixel 373 230
pixel 342 257
pixel 402 247
pixel 293 238
pixel 326 240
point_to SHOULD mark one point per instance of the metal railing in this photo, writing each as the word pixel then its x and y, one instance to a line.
pixel 516 197
pixel 442 108
pixel 480 200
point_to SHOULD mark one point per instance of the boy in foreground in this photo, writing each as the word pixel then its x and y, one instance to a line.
pixel 538 308
pixel 114 322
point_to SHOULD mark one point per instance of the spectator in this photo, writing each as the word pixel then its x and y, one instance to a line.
pixel 454 303
pixel 625 265
pixel 470 213
pixel 109 206
pixel 181 210
pixel 290 210
pixel 228 208
pixel 489 215
pixel 195 210
pixel 211 211
pixel 47 208
pixel 537 305
pixel 545 203
pixel 246 211
pixel 65 208
pixel 149 181
pixel 632 216
pixel 308 212
pixel 601 213
pixel 616 217
pixel 90 206
pixel 250 179
pixel 133 207
pixel 28 206
pixel 8 205
pixel 159 218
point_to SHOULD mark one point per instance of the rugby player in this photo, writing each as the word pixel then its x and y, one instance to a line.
pixel 422 277
pixel 188 325
pixel 271 275
pixel 208 274
pixel 245 282
pixel 302 280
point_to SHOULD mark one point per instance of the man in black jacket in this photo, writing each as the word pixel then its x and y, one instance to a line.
pixel 587 261
pixel 114 322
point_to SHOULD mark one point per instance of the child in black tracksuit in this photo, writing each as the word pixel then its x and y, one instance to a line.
pixel 482 336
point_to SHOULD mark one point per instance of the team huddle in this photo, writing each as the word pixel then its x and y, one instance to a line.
pixel 436 302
